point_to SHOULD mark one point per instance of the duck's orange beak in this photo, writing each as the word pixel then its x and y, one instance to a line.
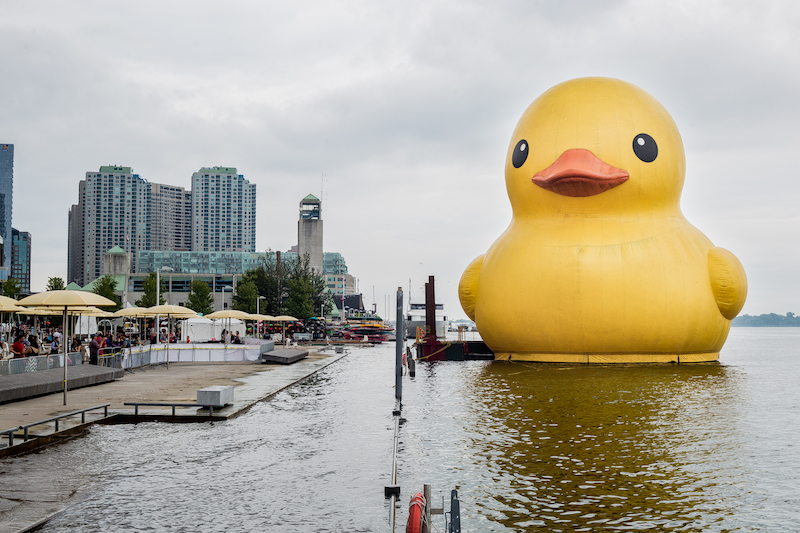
pixel 578 172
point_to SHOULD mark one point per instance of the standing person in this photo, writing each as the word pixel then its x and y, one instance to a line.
pixel 57 335
pixel 94 350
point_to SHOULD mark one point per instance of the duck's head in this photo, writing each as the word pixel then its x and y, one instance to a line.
pixel 594 146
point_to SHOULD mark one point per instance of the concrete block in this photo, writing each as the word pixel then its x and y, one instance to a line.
pixel 216 396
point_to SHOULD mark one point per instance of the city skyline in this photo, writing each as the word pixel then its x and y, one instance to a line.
pixel 398 117
pixel 118 207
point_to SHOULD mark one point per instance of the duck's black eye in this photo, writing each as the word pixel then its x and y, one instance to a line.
pixel 645 148
pixel 520 153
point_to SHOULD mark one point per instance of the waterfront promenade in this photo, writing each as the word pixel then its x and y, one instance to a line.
pixel 253 382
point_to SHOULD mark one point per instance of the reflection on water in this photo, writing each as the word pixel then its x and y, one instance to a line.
pixel 530 447
pixel 587 446
pixel 578 448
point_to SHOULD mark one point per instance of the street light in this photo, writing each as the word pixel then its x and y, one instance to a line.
pixel 158 281
pixel 158 298
pixel 258 312
pixel 223 295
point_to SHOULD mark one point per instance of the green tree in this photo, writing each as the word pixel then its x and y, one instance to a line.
pixel 300 303
pixel 314 286
pixel 148 299
pixel 55 284
pixel 290 287
pixel 106 286
pixel 200 299
pixel 246 296
pixel 11 288
pixel 270 281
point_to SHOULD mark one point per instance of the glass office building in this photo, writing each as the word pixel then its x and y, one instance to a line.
pixel 6 199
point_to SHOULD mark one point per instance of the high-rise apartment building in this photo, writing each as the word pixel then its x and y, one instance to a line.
pixel 21 259
pixel 223 211
pixel 112 210
pixel 170 218
pixel 6 202
pixel 309 232
pixel 76 238
pixel 118 208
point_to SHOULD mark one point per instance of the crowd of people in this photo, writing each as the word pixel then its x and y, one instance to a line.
pixel 23 341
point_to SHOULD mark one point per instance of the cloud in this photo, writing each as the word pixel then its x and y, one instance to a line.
pixel 406 109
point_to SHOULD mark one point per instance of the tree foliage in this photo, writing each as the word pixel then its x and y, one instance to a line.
pixel 246 296
pixel 304 279
pixel 291 287
pixel 106 286
pixel 771 320
pixel 148 298
pixel 300 302
pixel 55 284
pixel 200 298
pixel 11 288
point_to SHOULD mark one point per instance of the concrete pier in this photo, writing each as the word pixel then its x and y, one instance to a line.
pixel 33 384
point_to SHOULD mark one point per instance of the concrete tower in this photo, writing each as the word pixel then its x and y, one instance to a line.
pixel 309 231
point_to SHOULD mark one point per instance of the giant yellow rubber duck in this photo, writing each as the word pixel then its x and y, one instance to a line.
pixel 599 264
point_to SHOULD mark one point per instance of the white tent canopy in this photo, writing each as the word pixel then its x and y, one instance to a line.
pixel 205 329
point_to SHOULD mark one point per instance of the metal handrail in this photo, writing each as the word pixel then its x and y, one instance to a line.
pixel 35 363
pixel 56 419
pixel 10 433
pixel 173 405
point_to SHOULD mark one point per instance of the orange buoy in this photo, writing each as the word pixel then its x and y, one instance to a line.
pixel 416 515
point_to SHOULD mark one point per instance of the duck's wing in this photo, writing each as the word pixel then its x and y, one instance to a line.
pixel 728 281
pixel 468 287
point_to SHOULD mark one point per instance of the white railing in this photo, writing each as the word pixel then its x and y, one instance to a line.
pixel 148 354
pixel 156 354
pixel 9 367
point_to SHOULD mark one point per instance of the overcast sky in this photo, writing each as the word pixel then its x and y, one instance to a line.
pixel 398 114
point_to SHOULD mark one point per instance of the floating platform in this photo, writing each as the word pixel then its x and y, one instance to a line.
pixel 284 356
pixel 454 351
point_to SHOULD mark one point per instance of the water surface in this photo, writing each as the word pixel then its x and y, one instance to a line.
pixel 529 447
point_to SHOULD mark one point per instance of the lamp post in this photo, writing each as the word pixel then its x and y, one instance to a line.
pixel 158 298
pixel 223 295
pixel 258 312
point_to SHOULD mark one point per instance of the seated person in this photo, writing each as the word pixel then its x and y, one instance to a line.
pixel 33 346
pixel 18 348
pixel 236 339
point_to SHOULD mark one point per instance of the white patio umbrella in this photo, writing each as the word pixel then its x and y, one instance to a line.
pixel 260 318
pixel 168 311
pixel 230 313
pixel 284 319
pixel 132 312
pixel 65 300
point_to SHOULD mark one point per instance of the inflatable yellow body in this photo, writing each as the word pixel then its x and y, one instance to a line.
pixel 599 265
